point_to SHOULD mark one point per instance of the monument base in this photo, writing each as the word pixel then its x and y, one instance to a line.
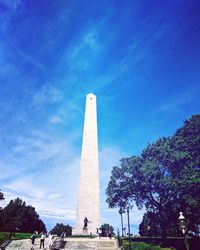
pixel 85 231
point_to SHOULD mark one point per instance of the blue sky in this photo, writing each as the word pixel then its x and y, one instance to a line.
pixel 140 58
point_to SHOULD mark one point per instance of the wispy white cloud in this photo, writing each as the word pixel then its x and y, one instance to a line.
pixel 12 4
pixel 41 149
pixel 30 59
pixel 5 65
pixel 108 157
pixel 53 196
pixel 91 40
pixel 176 102
pixel 6 170
pixel 50 208
pixel 52 189
pixel 64 214
pixel 84 51
pixel 44 174
pixel 48 94
pixel 24 186
pixel 55 119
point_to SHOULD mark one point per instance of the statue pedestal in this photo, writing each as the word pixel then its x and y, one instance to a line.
pixel 85 231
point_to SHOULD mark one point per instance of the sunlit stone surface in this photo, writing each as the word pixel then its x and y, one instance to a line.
pixel 88 192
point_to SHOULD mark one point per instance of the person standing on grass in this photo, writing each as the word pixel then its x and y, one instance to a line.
pixel 42 238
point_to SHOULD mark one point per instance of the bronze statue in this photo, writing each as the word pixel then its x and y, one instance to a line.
pixel 86 222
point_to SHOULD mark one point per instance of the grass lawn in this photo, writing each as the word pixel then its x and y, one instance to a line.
pixel 143 246
pixel 2 237
pixel 18 236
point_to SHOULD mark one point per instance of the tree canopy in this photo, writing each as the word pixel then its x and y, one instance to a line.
pixel 1 198
pixel 165 179
pixel 106 229
pixel 60 228
pixel 17 216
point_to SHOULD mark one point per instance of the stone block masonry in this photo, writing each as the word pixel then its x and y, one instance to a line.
pixel 88 204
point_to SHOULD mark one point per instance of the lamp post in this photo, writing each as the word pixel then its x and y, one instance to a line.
pixel 124 229
pixel 182 223
pixel 121 213
pixel 128 228
pixel 183 227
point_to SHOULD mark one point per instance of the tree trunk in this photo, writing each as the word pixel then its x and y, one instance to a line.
pixel 163 232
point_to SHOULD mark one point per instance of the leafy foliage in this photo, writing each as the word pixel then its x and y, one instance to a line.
pixel 17 216
pixel 150 226
pixel 1 195
pixel 60 228
pixel 165 179
pixel 106 229
pixel 1 198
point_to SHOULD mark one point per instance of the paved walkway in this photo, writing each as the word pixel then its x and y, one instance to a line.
pixel 25 244
pixel 70 243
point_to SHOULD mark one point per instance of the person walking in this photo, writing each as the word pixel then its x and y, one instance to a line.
pixel 50 240
pixel 33 236
pixel 100 232
pixel 42 238
pixel 110 233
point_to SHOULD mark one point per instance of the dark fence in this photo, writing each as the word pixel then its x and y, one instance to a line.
pixel 58 243
pixel 4 244
pixel 176 242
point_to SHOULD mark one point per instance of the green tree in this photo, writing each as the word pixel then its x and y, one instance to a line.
pixel 106 229
pixel 17 216
pixel 186 144
pixel 60 228
pixel 165 178
pixel 1 198
pixel 150 226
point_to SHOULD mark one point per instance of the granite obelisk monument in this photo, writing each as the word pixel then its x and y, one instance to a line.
pixel 88 204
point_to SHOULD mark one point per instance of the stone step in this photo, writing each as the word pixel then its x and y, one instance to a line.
pixel 69 244
pixel 91 244
pixel 81 245
pixel 25 244
pixel 107 248
pixel 104 244
pixel 18 244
